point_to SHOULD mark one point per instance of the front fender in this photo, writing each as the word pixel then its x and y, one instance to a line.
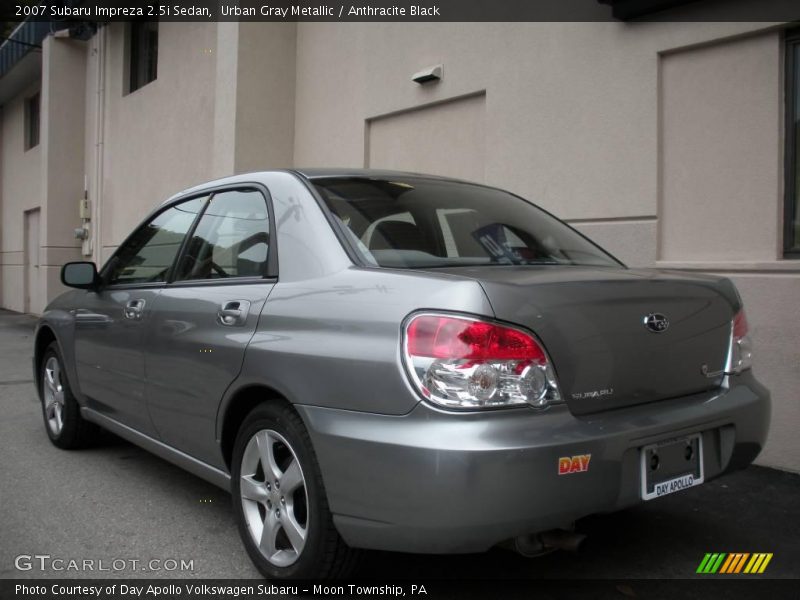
pixel 58 320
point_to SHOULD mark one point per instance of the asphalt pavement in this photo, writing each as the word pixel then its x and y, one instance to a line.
pixel 117 502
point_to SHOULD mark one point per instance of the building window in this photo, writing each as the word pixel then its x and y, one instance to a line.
pixel 791 233
pixel 143 61
pixel 32 122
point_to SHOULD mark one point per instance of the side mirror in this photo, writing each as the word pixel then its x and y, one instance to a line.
pixel 82 275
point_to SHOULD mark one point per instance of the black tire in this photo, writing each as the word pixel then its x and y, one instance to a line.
pixel 324 555
pixel 75 432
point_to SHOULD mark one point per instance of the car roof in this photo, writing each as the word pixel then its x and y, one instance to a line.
pixel 324 173
pixel 309 174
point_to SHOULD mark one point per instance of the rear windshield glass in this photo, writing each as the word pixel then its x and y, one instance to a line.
pixel 427 223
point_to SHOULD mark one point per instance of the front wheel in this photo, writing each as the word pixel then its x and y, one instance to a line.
pixel 280 502
pixel 65 426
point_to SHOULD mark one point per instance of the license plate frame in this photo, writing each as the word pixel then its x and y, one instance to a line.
pixel 676 475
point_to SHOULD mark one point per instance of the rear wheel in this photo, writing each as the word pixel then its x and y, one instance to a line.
pixel 280 502
pixel 63 422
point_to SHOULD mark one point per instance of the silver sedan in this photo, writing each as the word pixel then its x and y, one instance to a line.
pixel 377 360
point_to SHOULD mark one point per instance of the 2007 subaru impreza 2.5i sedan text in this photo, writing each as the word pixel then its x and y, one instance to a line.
pixel 377 360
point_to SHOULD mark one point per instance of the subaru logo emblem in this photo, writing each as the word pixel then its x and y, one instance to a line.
pixel 656 322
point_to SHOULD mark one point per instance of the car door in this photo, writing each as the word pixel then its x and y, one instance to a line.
pixel 110 325
pixel 203 320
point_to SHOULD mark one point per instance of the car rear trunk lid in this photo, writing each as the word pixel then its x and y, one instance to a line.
pixel 592 323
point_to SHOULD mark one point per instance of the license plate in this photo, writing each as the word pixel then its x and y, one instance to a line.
pixel 671 465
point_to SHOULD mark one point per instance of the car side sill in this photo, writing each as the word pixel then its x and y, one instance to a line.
pixel 160 449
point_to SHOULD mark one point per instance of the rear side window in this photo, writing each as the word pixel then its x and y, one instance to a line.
pixel 414 222
pixel 147 255
pixel 231 238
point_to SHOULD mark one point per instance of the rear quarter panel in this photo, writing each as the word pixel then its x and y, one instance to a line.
pixel 335 341
pixel 329 334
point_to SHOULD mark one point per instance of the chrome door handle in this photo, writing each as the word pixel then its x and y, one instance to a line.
pixel 233 313
pixel 134 309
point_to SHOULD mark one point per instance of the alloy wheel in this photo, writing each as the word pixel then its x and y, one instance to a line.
pixel 53 396
pixel 274 497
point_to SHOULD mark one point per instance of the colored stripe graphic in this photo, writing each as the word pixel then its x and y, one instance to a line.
pixel 754 563
pixel 727 564
pixel 734 563
pixel 703 564
pixel 716 565
pixel 711 562
pixel 740 563
pixel 762 563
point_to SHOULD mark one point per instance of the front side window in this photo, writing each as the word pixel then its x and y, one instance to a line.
pixel 143 49
pixel 791 237
pixel 231 239
pixel 429 223
pixel 147 255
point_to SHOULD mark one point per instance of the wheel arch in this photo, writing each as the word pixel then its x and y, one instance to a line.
pixel 45 336
pixel 236 409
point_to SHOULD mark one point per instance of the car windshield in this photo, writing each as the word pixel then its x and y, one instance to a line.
pixel 412 222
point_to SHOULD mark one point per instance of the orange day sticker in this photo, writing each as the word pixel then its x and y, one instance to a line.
pixel 574 464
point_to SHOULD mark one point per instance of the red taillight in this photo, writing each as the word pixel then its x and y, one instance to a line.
pixel 463 339
pixel 741 352
pixel 740 327
pixel 471 363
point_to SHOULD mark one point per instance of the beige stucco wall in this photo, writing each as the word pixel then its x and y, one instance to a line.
pixel 265 96
pixel 571 108
pixel 49 176
pixel 393 141
pixel 771 303
pixel 63 112
pixel 254 97
pixel 21 190
pixel 159 138
pixel 721 168
pixel 720 146
pixel 222 103
pixel 571 112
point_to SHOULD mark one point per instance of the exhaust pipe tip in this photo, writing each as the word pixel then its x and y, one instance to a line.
pixel 530 546
pixel 539 544
pixel 562 539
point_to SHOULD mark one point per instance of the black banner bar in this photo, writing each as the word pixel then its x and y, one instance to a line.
pixel 733 587
pixel 402 10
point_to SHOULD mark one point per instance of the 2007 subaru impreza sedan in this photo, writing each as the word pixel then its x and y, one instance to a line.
pixel 401 362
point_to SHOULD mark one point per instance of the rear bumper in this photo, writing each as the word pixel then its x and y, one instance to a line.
pixel 437 482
